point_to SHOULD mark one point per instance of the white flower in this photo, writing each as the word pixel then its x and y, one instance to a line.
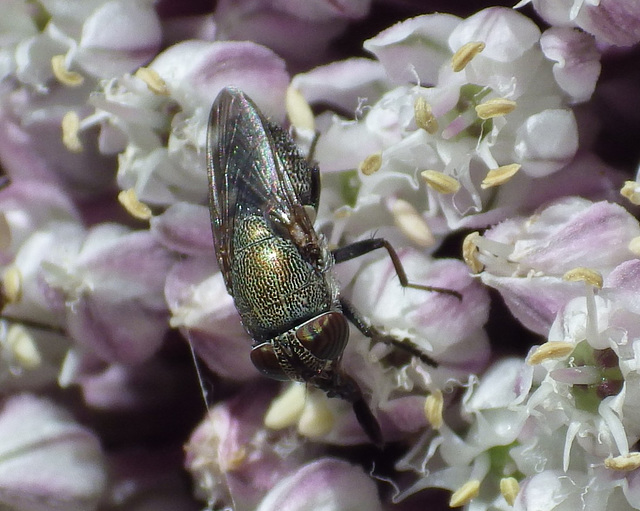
pixel 96 38
pixel 495 410
pixel 158 118
pixel 46 457
pixel 503 110
pixel 527 258
pixel 612 22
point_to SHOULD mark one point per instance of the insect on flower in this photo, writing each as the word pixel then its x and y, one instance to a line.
pixel 274 264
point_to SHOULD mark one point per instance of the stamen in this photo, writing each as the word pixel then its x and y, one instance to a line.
pixel 153 80
pixel 465 54
pixel 470 252
pixel 299 111
pixel 70 129
pixel 12 284
pixel 317 419
pixel 465 120
pixel 134 207
pixel 424 117
pixel 286 409
pixel 509 487
pixel 496 107
pixel 634 245
pixel 585 275
pixel 583 375
pixel 433 409
pixel 496 248
pixel 440 182
pixel 5 232
pixel 64 76
pixel 371 164
pixel 500 175
pixel 463 495
pixel 235 460
pixel 411 223
pixel 552 350
pixel 23 347
pixel 626 462
pixel 631 190
pixel 342 212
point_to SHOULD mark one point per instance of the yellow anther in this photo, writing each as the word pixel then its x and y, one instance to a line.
pixel 496 107
pixel 411 223
pixel 371 164
pixel 317 419
pixel 470 252
pixel 586 275
pixel 463 495
pixel 500 175
pixel 153 80
pixel 424 117
pixel 634 245
pixel 441 182
pixel 134 207
pixel 626 462
pixel 342 212
pixel 12 284
pixel 23 347
pixel 433 409
pixel 64 76
pixel 298 110
pixel 287 408
pixel 465 54
pixel 235 460
pixel 631 190
pixel 552 350
pixel 509 487
pixel 70 129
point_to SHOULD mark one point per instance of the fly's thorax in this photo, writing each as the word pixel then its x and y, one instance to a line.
pixel 274 287
pixel 308 352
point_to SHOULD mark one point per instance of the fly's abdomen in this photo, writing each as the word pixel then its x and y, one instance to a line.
pixel 274 288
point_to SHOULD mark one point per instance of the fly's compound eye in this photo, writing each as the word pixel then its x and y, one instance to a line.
pixel 325 336
pixel 266 361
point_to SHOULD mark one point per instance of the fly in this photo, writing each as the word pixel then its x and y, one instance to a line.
pixel 274 264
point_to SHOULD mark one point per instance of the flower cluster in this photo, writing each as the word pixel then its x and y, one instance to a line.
pixel 116 322
pixel 561 429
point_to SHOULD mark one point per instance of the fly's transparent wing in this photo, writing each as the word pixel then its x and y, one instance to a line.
pixel 246 173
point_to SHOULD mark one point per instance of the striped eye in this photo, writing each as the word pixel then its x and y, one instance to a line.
pixel 325 336
pixel 266 361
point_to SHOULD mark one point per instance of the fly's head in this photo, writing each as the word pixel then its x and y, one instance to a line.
pixel 308 352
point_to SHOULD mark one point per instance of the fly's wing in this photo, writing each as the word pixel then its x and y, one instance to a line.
pixel 246 174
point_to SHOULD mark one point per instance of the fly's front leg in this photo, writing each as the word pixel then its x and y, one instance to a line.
pixel 373 333
pixel 365 246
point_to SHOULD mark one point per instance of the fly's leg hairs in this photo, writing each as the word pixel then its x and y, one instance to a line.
pixel 373 333
pixel 363 247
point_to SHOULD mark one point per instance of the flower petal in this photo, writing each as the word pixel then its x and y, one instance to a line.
pixel 546 142
pixel 47 461
pixel 414 48
pixel 323 485
pixel 119 37
pixel 577 60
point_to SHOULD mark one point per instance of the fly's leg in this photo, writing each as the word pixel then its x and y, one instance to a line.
pixel 373 333
pixel 365 246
